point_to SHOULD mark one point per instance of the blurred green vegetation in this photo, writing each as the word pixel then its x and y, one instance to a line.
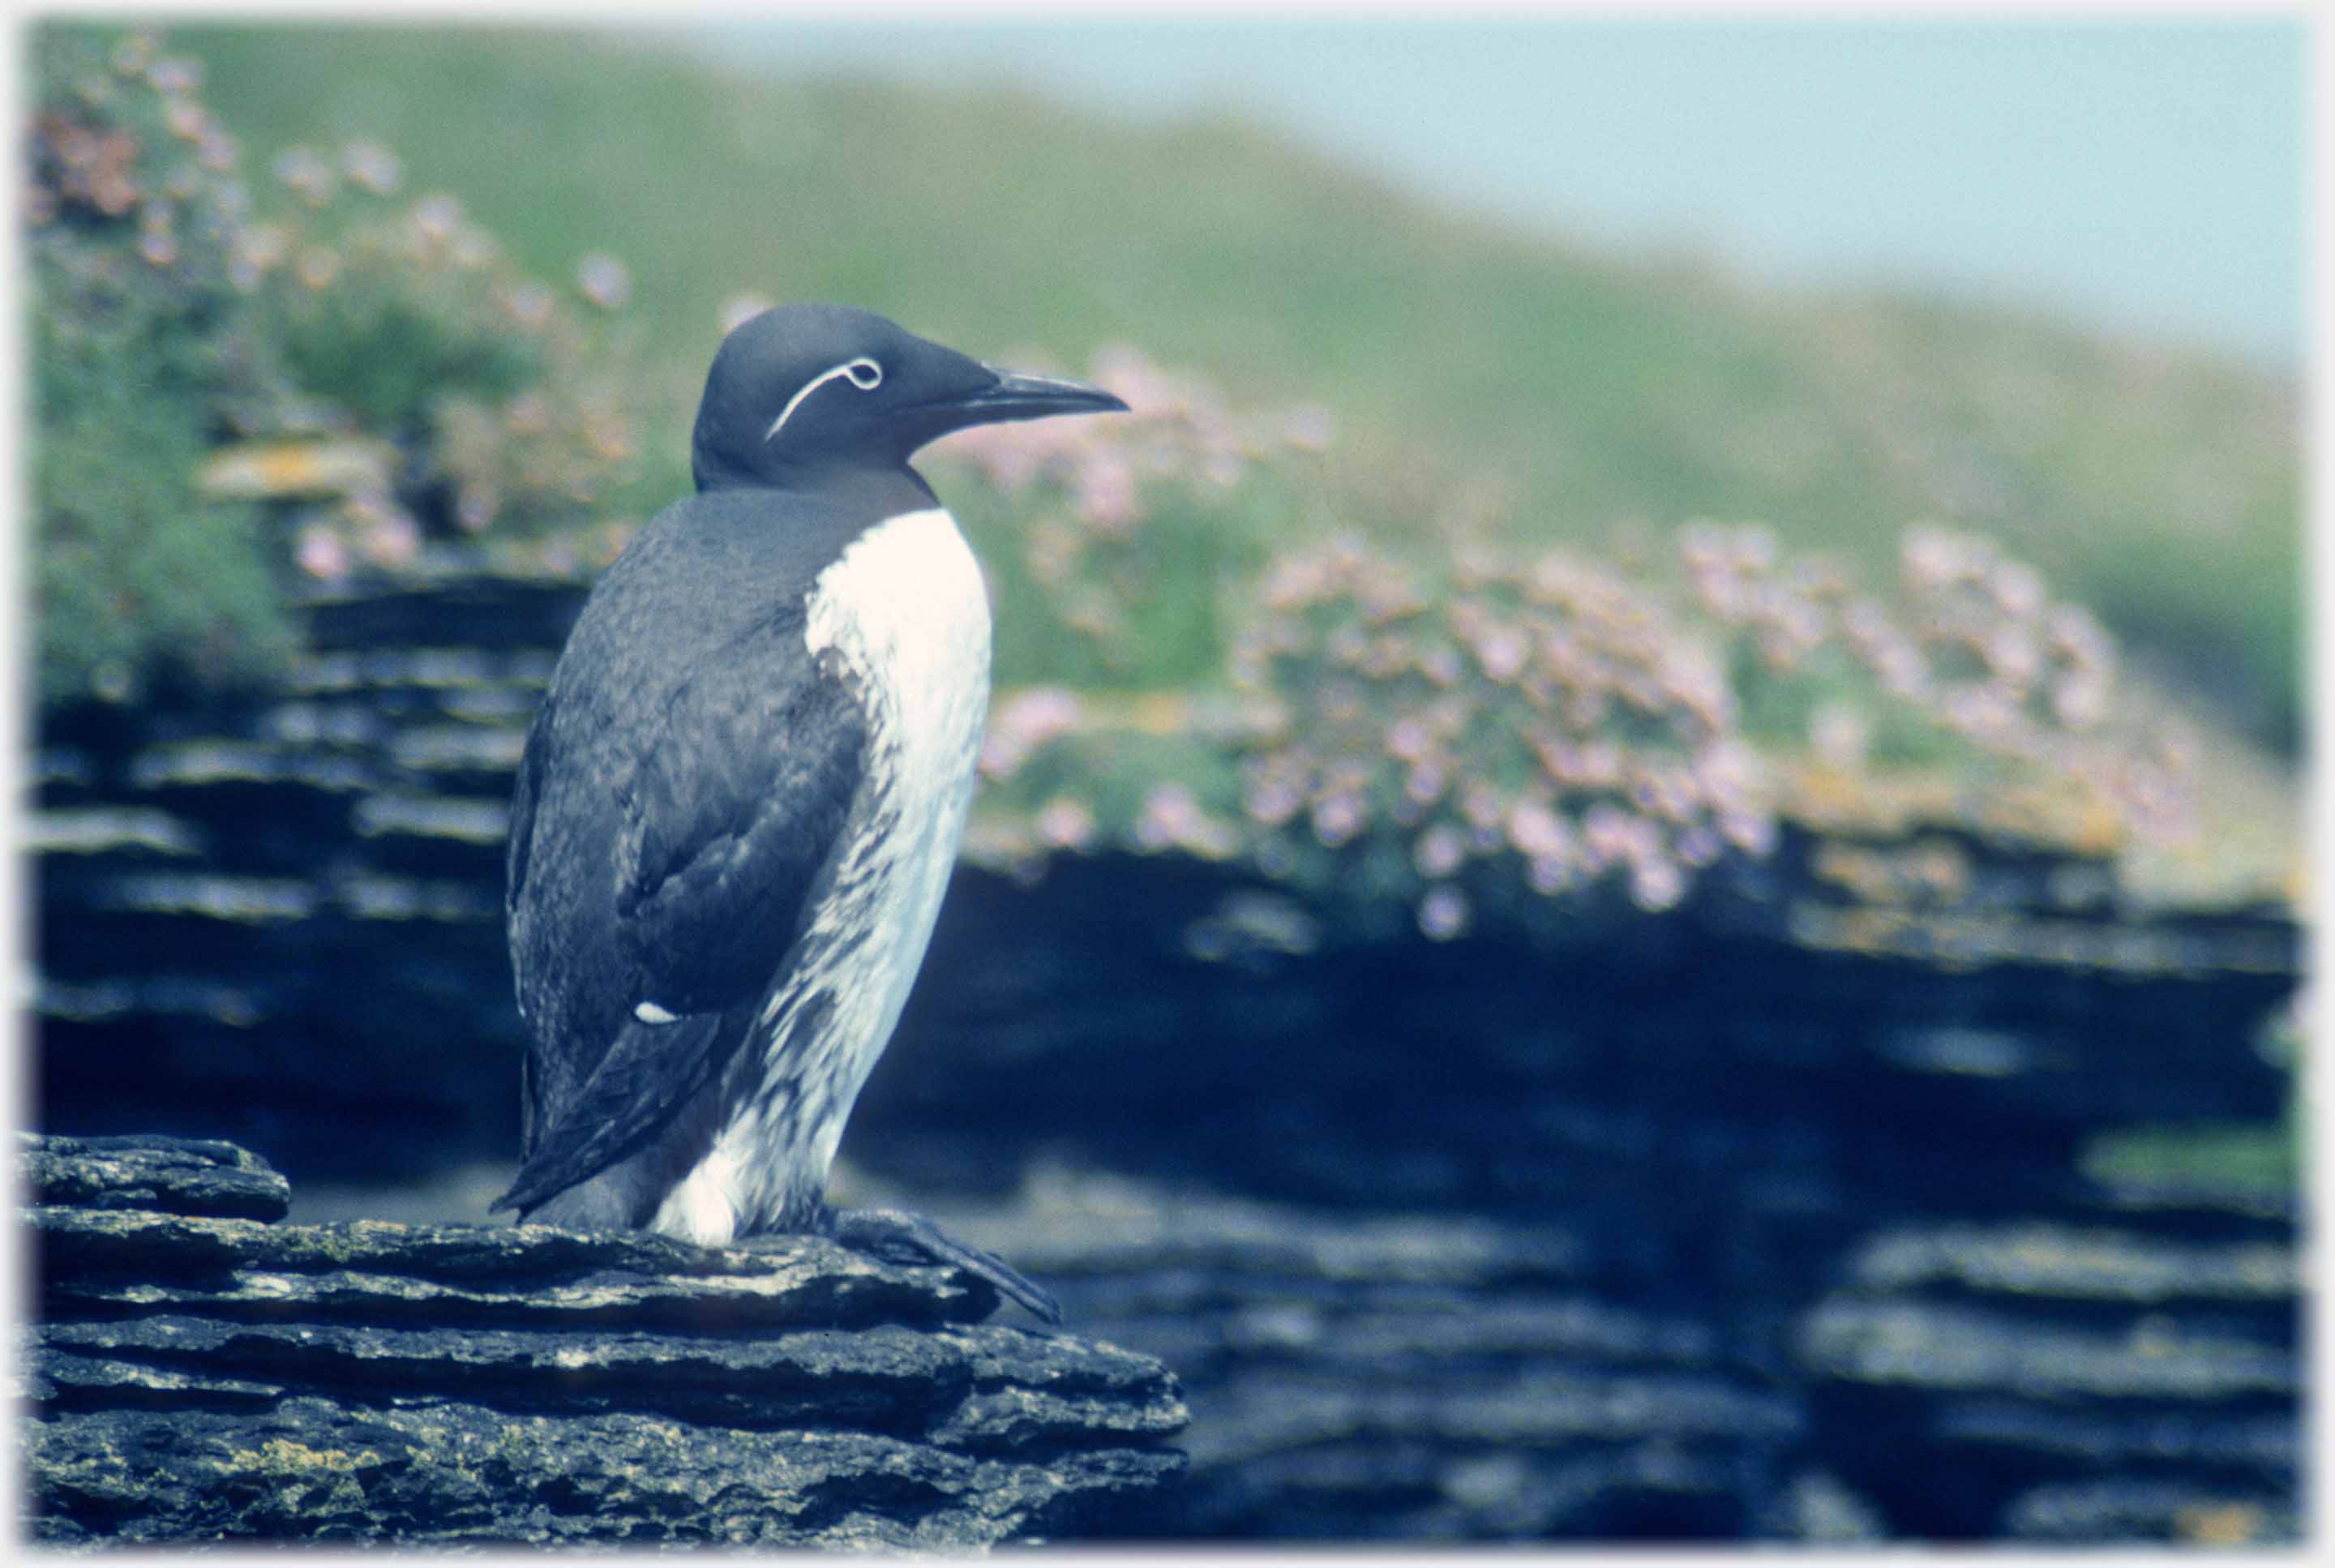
pixel 2237 1159
pixel 142 582
pixel 140 347
pixel 384 350
pixel 221 399
pixel 1568 394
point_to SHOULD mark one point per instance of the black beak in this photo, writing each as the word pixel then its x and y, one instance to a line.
pixel 1016 396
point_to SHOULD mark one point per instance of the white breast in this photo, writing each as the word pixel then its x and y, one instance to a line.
pixel 906 610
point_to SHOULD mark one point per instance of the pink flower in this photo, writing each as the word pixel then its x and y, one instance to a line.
pixel 2011 653
pixel 1440 851
pixel 308 175
pixel 1549 875
pixel 1170 816
pixel 1024 722
pixel 1481 805
pixel 1699 846
pixel 2081 700
pixel 1754 547
pixel 1293 582
pixel 1751 831
pixel 435 217
pixel 391 538
pixel 1536 831
pixel 1273 800
pixel 371 165
pixel 321 554
pixel 175 76
pixel 1839 735
pixel 2075 634
pixel 1600 763
pixel 1608 832
pixel 1656 885
pixel 605 281
pixel 2017 589
pixel 185 120
pixel 1503 651
pixel 1443 914
pixel 1933 557
pixel 1338 818
pixel 1107 499
pixel 1064 823
pixel 1409 740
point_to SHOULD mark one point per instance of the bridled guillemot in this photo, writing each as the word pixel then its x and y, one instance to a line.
pixel 743 793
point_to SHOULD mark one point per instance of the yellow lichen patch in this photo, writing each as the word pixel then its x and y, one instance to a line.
pixel 1001 841
pixel 1928 871
pixel 282 1453
pixel 269 471
pixel 1821 795
pixel 1894 802
pixel 1973 941
pixel 2220 1525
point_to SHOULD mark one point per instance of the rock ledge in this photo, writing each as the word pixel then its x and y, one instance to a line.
pixel 197 1373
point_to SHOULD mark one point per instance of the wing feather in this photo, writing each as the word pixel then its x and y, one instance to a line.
pixel 734 811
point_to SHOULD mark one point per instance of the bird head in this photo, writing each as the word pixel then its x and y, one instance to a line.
pixel 807 387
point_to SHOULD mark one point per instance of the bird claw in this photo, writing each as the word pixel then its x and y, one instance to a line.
pixel 887 1232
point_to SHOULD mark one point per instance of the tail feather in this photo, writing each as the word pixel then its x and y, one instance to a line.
pixel 647 1076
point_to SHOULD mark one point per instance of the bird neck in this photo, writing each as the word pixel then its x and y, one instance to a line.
pixel 871 490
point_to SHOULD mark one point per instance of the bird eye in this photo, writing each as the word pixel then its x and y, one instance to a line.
pixel 865 373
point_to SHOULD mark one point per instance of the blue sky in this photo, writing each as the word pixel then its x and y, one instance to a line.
pixel 2142 176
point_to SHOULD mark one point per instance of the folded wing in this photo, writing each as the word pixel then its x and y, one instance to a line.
pixel 668 883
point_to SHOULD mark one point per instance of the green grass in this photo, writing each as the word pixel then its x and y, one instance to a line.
pixel 2237 1159
pixel 1582 394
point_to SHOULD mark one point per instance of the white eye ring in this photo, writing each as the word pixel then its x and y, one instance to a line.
pixel 863 373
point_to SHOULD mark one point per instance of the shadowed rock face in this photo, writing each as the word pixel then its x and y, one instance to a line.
pixel 1413 1375
pixel 197 1373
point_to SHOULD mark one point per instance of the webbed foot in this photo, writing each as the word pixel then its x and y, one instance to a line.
pixel 898 1236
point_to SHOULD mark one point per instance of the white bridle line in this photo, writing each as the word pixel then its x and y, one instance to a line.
pixel 850 370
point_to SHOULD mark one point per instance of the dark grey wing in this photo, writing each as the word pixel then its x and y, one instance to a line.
pixel 517 850
pixel 524 796
pixel 723 820
pixel 732 814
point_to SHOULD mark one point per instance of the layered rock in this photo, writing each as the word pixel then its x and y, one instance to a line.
pixel 2067 1383
pixel 199 1372
pixel 1418 1375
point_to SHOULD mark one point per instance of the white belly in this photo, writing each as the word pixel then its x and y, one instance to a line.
pixel 906 610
